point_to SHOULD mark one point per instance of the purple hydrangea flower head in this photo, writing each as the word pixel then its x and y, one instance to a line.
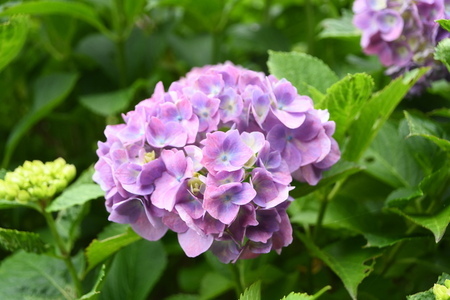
pixel 213 158
pixel 403 34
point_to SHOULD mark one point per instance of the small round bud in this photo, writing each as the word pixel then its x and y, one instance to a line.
pixel 23 196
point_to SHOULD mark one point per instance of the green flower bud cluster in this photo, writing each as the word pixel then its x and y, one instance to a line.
pixel 442 292
pixel 35 180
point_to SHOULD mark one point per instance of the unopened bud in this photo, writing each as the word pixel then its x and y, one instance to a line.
pixel 442 292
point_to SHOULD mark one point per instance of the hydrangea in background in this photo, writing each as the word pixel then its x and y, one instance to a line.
pixel 403 34
pixel 212 159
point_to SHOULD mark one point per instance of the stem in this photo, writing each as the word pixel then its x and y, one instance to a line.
pixel 310 21
pixel 323 208
pixel 65 253
pixel 237 272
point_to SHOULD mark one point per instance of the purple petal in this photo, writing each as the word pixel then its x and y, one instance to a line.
pixel 133 212
pixel 194 244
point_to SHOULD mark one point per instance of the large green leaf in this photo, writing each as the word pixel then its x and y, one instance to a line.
pixel 302 70
pixel 99 250
pixel 253 292
pixel 345 99
pixel 12 38
pixel 32 276
pixel 68 223
pixel 376 112
pixel 134 271
pixel 5 204
pixel 437 223
pixel 77 195
pixel 391 160
pixel 49 91
pixel 347 259
pixel 420 126
pixel 12 240
pixel 78 10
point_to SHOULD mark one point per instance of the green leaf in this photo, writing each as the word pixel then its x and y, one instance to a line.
pixel 49 91
pixel 442 52
pixel 376 112
pixel 107 104
pixel 94 293
pixel 345 99
pixel 305 296
pixel 253 292
pixel 68 223
pixel 74 9
pixel 13 35
pixel 214 285
pixel 134 271
pixel 98 251
pixel 32 276
pixel 392 160
pixel 302 70
pixel 77 195
pixel 437 223
pixel 347 259
pixel 13 240
pixel 341 28
pixel 444 24
pixel 5 204
pixel 400 197
pixel 428 129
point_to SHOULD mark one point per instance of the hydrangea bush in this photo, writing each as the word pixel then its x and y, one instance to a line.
pixel 403 34
pixel 213 159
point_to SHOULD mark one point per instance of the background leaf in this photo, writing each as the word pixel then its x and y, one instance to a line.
pixel 77 195
pixel 13 35
pixel 143 263
pixel 31 276
pixel 111 103
pixel 12 240
pixel 428 129
pixel 49 92
pixel 78 10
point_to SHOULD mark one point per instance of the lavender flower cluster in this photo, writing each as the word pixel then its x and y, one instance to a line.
pixel 213 159
pixel 403 34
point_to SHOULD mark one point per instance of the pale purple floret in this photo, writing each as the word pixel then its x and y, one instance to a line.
pixel 213 159
pixel 141 216
pixel 178 169
pixel 225 151
pixel 403 34
pixel 223 202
